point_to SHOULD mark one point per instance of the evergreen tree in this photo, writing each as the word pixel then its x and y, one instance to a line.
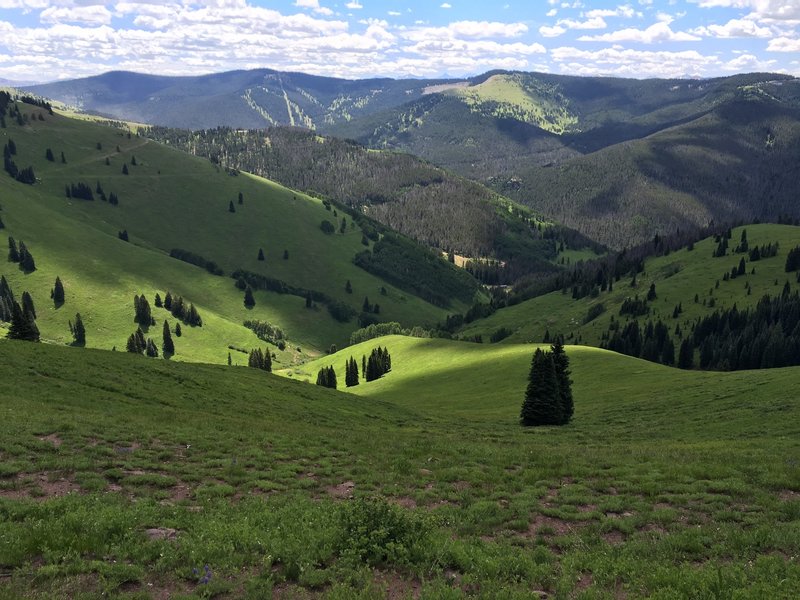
pixel 249 301
pixel 167 345
pixel 23 326
pixel 561 365
pixel 260 360
pixel 63 159
pixel 741 270
pixel 168 301
pixel 133 160
pixel 13 253
pixel 241 198
pixel 542 404
pixel 26 262
pixel 231 207
pixel 2 225
pixel 157 301
pixel 178 331
pixel 366 306
pixel 347 286
pixel 27 305
pixel 48 154
pixel 309 300
pixel 58 292
pixel 651 293
pixel 142 313
pixel 327 377
pixel 123 235
pixel 78 331
pixel 260 254
pixel 351 373
pixel 150 348
pixel 285 255
pixel 124 169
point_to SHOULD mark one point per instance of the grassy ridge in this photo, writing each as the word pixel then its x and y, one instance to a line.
pixel 666 483
pixel 677 277
pixel 172 200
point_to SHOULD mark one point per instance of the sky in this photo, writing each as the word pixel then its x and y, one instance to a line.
pixel 45 40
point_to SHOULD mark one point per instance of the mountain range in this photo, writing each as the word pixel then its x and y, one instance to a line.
pixel 620 160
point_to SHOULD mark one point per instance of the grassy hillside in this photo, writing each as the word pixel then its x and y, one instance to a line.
pixel 173 200
pixel 414 197
pixel 677 276
pixel 132 478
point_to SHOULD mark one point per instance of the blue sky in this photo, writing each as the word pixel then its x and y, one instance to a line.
pixel 54 39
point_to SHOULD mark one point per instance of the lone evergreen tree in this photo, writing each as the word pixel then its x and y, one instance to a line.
pixel 48 154
pixel 347 286
pixel 58 292
pixel 125 169
pixel 249 301
pixel 260 254
pixel 27 305
pixel 157 301
pixel 542 404
pixel 241 198
pixel 651 293
pixel 285 255
pixel 13 253
pixel 561 365
pixel 231 207
pixel 78 331
pixel 26 262
pixel 178 331
pixel 167 345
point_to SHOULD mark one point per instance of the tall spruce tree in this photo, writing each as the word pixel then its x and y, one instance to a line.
pixel 58 292
pixel 561 365
pixel 26 262
pixel 27 305
pixel 542 405
pixel 249 300
pixel 167 345
pixel 150 348
pixel 13 253
pixel 78 331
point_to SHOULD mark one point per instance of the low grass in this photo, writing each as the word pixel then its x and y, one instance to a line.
pixel 173 200
pixel 677 277
pixel 131 478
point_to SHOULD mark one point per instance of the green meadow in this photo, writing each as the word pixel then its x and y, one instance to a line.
pixel 168 200
pixel 125 477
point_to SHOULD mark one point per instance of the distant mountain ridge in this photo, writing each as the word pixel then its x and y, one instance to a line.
pixel 617 159
pixel 241 99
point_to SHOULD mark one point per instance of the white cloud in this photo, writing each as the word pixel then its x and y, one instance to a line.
pixel 784 44
pixel 354 5
pixel 554 31
pixel 735 28
pixel 633 63
pixel 748 62
pixel 625 11
pixel 564 25
pixel 656 33
pixel 552 12
pixel 446 5
pixel 394 13
pixel 92 15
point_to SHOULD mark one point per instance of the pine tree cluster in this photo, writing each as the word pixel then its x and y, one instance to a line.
pixel 351 372
pixel 260 359
pixel 377 364
pixel 25 175
pixel 793 259
pixel 79 191
pixel 180 310
pixel 142 315
pixel 327 377
pixel 21 255
pixel 652 343
pixel 21 317
pixel 548 398
pixel 137 344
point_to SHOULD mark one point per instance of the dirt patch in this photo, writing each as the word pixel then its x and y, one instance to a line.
pixel 180 492
pixel 395 587
pixel 613 538
pixel 127 449
pixel 544 525
pixel 161 533
pixel 52 439
pixel 584 581
pixel 460 486
pixel 788 495
pixel 425 472
pixel 113 487
pixel 404 501
pixel 44 485
pixel 618 515
pixel 586 508
pixel 653 528
pixel 311 476
pixel 343 490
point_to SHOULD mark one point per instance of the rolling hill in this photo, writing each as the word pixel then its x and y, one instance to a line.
pixel 129 477
pixel 170 200
pixel 690 278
